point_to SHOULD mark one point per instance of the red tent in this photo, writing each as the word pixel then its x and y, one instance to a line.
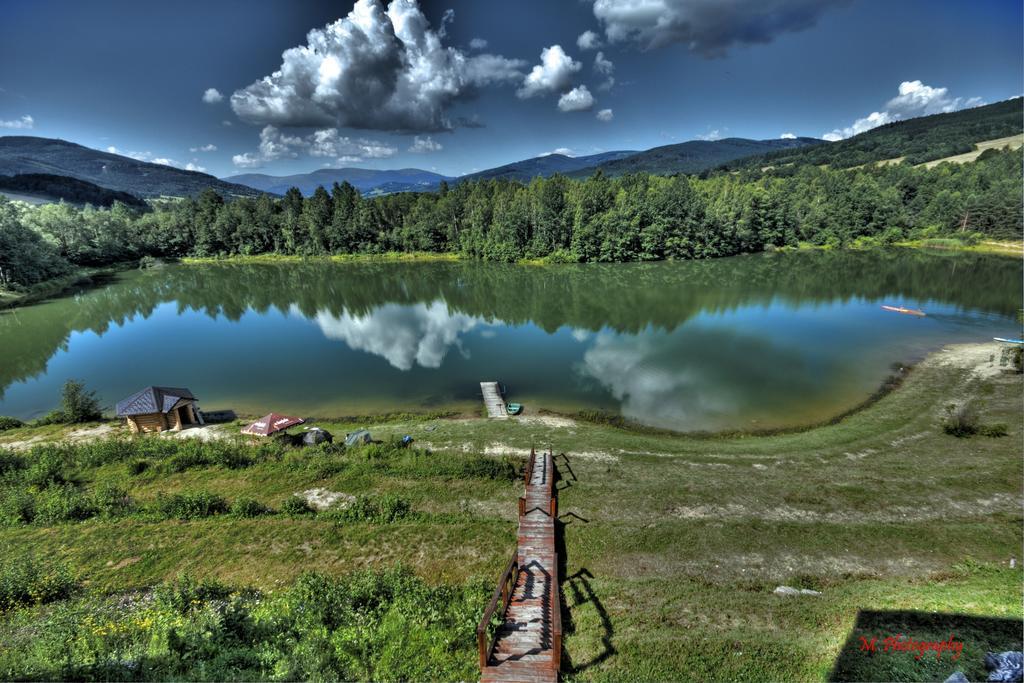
pixel 270 423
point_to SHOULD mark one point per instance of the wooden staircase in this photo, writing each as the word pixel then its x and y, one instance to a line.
pixel 527 644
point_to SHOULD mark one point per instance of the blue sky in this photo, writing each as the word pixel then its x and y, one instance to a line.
pixel 413 85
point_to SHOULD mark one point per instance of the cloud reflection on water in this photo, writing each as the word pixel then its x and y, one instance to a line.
pixel 697 378
pixel 403 335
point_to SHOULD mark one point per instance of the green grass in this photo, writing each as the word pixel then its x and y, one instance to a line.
pixel 388 257
pixel 673 544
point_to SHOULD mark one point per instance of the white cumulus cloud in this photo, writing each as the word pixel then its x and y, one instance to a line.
pixel 605 115
pixel 328 142
pixel 711 135
pixel 606 68
pixel 212 96
pixel 421 145
pixel 787 136
pixel 708 27
pixel 25 122
pixel 377 68
pixel 203 148
pixel 554 73
pixel 577 99
pixel 477 44
pixel 192 166
pixel 914 99
pixel 588 40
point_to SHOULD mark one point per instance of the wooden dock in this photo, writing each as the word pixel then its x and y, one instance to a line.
pixel 527 645
pixel 493 400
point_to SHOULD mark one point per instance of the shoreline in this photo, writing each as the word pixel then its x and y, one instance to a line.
pixel 593 419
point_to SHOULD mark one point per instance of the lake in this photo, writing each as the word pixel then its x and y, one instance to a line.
pixel 754 341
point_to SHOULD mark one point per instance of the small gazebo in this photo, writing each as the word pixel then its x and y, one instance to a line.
pixel 155 409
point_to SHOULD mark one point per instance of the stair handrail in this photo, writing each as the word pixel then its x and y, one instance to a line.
pixel 503 591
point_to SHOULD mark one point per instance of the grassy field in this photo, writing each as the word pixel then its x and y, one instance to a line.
pixel 673 544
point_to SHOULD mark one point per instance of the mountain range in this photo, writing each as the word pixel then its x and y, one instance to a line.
pixel 60 169
pixel 367 181
pixel 23 155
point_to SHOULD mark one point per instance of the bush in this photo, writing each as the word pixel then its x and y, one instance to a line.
pixel 296 506
pixel 993 430
pixel 24 581
pixel 962 421
pixel 185 506
pixel 384 510
pixel 112 501
pixel 17 506
pixel 45 468
pixel 9 423
pixel 185 593
pixel 11 465
pixel 137 467
pixel 76 405
pixel 248 507
pixel 63 504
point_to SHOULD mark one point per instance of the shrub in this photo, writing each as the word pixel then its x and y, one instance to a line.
pixel 295 506
pixel 137 467
pixel 384 510
pixel 45 468
pixel 962 421
pixel 993 430
pixel 248 507
pixel 17 506
pixel 185 593
pixel 24 581
pixel 9 423
pixel 187 506
pixel 63 504
pixel 112 501
pixel 78 404
pixel 11 464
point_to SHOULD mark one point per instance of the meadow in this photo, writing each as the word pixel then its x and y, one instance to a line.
pixel 174 558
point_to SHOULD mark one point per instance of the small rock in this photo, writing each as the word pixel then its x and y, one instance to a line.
pixel 789 590
pixel 1005 667
pixel 758 466
pixel 956 677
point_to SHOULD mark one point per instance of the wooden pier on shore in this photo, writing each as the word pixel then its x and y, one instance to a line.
pixel 527 645
pixel 493 400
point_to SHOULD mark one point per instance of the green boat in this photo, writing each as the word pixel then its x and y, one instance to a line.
pixel 514 408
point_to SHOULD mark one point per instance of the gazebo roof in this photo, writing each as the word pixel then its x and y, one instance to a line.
pixel 152 400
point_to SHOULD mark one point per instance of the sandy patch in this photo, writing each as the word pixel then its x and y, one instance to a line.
pixel 74 436
pixel 205 433
pixel 548 421
pixel 92 433
pixel 980 507
pixel 981 359
pixel 321 499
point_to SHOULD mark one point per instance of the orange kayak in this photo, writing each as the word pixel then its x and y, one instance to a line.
pixel 907 311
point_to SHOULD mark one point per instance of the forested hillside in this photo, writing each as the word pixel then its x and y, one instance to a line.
pixel 20 154
pixel 633 218
pixel 915 140
pixel 69 189
pixel 694 156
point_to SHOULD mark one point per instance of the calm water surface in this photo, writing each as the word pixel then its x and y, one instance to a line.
pixel 751 341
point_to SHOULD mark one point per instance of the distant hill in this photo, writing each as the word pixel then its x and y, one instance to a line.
pixel 367 181
pixel 693 156
pixel 914 141
pixel 546 165
pixel 72 190
pixel 32 155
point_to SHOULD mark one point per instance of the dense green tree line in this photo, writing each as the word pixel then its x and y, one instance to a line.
pixel 634 218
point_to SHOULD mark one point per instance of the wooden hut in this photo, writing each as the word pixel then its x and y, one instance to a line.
pixel 155 409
